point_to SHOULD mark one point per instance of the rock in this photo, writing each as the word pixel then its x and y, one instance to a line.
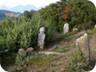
pixel 21 52
pixel 83 40
pixel 29 50
pixel 75 29
pixel 41 38
pixel 95 27
pixel 66 28
pixel 83 44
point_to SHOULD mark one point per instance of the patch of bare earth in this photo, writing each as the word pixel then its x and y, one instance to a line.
pixel 60 63
pixel 57 65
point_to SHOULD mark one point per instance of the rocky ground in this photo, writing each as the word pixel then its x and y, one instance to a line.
pixel 59 63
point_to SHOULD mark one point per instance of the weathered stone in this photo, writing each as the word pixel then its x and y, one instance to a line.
pixel 66 28
pixel 75 29
pixel 83 44
pixel 21 52
pixel 41 38
pixel 29 50
pixel 95 27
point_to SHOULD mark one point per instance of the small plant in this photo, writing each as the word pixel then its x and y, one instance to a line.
pixel 77 56
pixel 76 62
pixel 34 58
pixel 20 60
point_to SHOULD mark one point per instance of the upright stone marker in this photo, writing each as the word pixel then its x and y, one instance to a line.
pixel 83 44
pixel 41 37
pixel 66 28
pixel 95 27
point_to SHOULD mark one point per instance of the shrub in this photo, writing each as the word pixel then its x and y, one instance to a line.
pixel 76 62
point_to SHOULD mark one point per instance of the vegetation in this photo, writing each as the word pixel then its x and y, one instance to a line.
pixel 76 62
pixel 35 58
pixel 61 49
pixel 23 31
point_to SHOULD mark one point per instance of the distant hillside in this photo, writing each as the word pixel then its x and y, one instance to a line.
pixel 6 13
pixel 23 8
pixel 20 8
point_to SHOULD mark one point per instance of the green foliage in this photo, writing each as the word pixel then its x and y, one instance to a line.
pixel 66 36
pixel 29 14
pixel 61 49
pixel 81 13
pixel 7 34
pixel 77 56
pixel 76 61
pixel 23 31
pixel 42 59
pixel 35 58
pixel 20 60
pixel 91 32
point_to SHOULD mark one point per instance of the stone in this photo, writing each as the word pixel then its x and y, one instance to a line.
pixel 83 44
pixel 75 29
pixel 21 52
pixel 83 40
pixel 29 50
pixel 66 28
pixel 41 37
pixel 95 27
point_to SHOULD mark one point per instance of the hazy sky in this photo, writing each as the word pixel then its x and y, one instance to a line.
pixel 94 1
pixel 22 5
pixel 36 3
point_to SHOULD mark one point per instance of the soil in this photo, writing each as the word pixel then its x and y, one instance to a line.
pixel 60 64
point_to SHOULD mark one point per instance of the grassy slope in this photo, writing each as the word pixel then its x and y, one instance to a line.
pixel 56 63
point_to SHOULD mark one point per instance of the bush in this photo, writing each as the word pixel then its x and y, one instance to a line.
pixel 23 31
pixel 76 62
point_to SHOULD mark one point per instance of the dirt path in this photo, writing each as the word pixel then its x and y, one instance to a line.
pixel 59 64
pixel 48 53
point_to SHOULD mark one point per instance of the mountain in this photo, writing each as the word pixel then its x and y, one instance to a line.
pixel 20 8
pixel 6 13
pixel 23 8
pixel 14 12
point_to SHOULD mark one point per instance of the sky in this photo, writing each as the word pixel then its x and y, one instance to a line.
pixel 36 3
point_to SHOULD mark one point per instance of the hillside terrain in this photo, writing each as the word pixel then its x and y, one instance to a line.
pixel 58 59
pixel 63 48
pixel 6 13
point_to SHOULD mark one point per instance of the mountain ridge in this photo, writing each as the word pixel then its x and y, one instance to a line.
pixel 7 13
pixel 20 8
